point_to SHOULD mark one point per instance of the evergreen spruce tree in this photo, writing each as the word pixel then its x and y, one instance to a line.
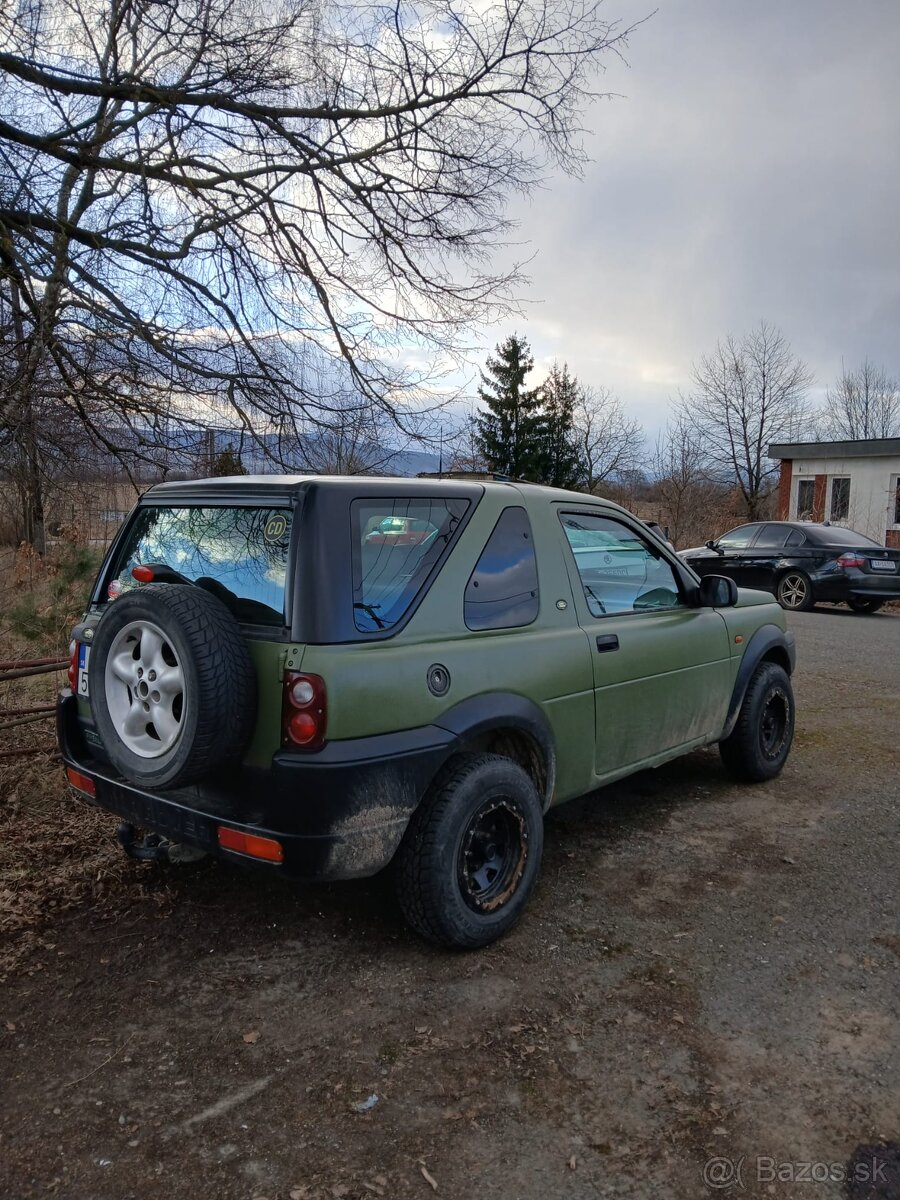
pixel 510 433
pixel 561 467
pixel 227 462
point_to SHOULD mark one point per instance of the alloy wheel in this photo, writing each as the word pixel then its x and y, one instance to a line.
pixel 793 591
pixel 145 689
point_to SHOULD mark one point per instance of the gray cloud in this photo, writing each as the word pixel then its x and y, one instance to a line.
pixel 751 170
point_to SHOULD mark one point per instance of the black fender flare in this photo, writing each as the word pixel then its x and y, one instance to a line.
pixel 762 642
pixel 504 710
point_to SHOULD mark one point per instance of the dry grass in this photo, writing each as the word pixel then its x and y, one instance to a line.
pixel 55 852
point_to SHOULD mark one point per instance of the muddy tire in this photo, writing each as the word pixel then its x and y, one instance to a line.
pixel 758 746
pixel 172 685
pixel 794 591
pixel 471 855
pixel 860 604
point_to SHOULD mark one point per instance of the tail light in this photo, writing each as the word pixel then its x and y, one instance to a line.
pixel 72 672
pixel 303 710
pixel 851 560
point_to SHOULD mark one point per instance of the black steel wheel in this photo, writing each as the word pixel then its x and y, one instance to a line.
pixel 794 591
pixel 471 855
pixel 758 746
pixel 863 604
pixel 492 855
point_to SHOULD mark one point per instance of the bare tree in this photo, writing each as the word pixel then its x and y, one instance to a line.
pixel 357 438
pixel 682 485
pixel 191 191
pixel 864 403
pixel 608 443
pixel 461 451
pixel 749 392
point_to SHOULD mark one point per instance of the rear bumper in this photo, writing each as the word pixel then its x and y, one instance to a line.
pixel 882 587
pixel 338 814
pixel 858 583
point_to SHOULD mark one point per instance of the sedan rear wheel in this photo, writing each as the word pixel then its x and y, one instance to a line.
pixel 860 604
pixel 795 591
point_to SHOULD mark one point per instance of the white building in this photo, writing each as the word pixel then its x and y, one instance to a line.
pixel 854 484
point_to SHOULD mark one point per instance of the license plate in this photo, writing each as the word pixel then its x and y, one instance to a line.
pixel 882 564
pixel 84 657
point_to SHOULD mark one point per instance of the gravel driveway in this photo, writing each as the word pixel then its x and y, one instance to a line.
pixel 705 972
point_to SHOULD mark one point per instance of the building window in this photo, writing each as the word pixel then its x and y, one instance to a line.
pixel 840 498
pixel 897 501
pixel 806 489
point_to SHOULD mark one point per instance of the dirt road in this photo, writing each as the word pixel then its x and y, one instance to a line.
pixel 705 971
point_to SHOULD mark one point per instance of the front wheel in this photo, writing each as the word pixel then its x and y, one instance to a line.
pixel 758 746
pixel 471 855
pixel 795 592
pixel 860 604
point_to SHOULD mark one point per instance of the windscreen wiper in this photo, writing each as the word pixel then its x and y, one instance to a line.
pixel 369 610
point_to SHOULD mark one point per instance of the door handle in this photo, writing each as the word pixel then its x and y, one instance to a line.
pixel 607 642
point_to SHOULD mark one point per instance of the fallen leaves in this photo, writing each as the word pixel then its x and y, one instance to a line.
pixel 251 1037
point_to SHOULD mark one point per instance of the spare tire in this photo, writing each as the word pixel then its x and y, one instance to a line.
pixel 172 685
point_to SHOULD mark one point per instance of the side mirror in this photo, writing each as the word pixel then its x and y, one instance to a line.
pixel 714 546
pixel 716 591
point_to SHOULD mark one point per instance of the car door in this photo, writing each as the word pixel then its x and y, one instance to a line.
pixel 662 670
pixel 759 561
pixel 734 552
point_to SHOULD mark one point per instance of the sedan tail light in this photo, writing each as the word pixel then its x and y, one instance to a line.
pixel 304 712
pixel 851 560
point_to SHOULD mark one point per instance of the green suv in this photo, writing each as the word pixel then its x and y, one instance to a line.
pixel 325 676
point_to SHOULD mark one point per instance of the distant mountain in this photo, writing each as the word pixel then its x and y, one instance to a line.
pixel 179 450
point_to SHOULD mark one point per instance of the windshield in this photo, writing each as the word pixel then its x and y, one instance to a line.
pixel 238 554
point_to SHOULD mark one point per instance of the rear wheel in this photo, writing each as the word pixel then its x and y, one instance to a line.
pixel 795 592
pixel 860 604
pixel 758 746
pixel 471 855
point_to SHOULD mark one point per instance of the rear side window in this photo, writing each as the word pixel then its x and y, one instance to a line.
pixel 237 554
pixel 396 544
pixel 503 590
pixel 773 536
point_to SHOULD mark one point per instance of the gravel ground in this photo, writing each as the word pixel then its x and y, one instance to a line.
pixel 706 972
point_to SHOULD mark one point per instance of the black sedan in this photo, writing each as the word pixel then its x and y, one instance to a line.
pixel 802 563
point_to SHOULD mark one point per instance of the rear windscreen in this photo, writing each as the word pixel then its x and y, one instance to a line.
pixel 396 543
pixel 841 537
pixel 237 554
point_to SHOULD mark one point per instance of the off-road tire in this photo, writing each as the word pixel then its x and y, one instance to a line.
pixel 747 753
pixel 430 880
pixel 864 605
pixel 783 589
pixel 220 682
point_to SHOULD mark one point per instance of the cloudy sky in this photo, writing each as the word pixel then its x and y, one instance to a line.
pixel 750 169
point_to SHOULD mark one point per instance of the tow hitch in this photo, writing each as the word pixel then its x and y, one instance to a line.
pixel 154 848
